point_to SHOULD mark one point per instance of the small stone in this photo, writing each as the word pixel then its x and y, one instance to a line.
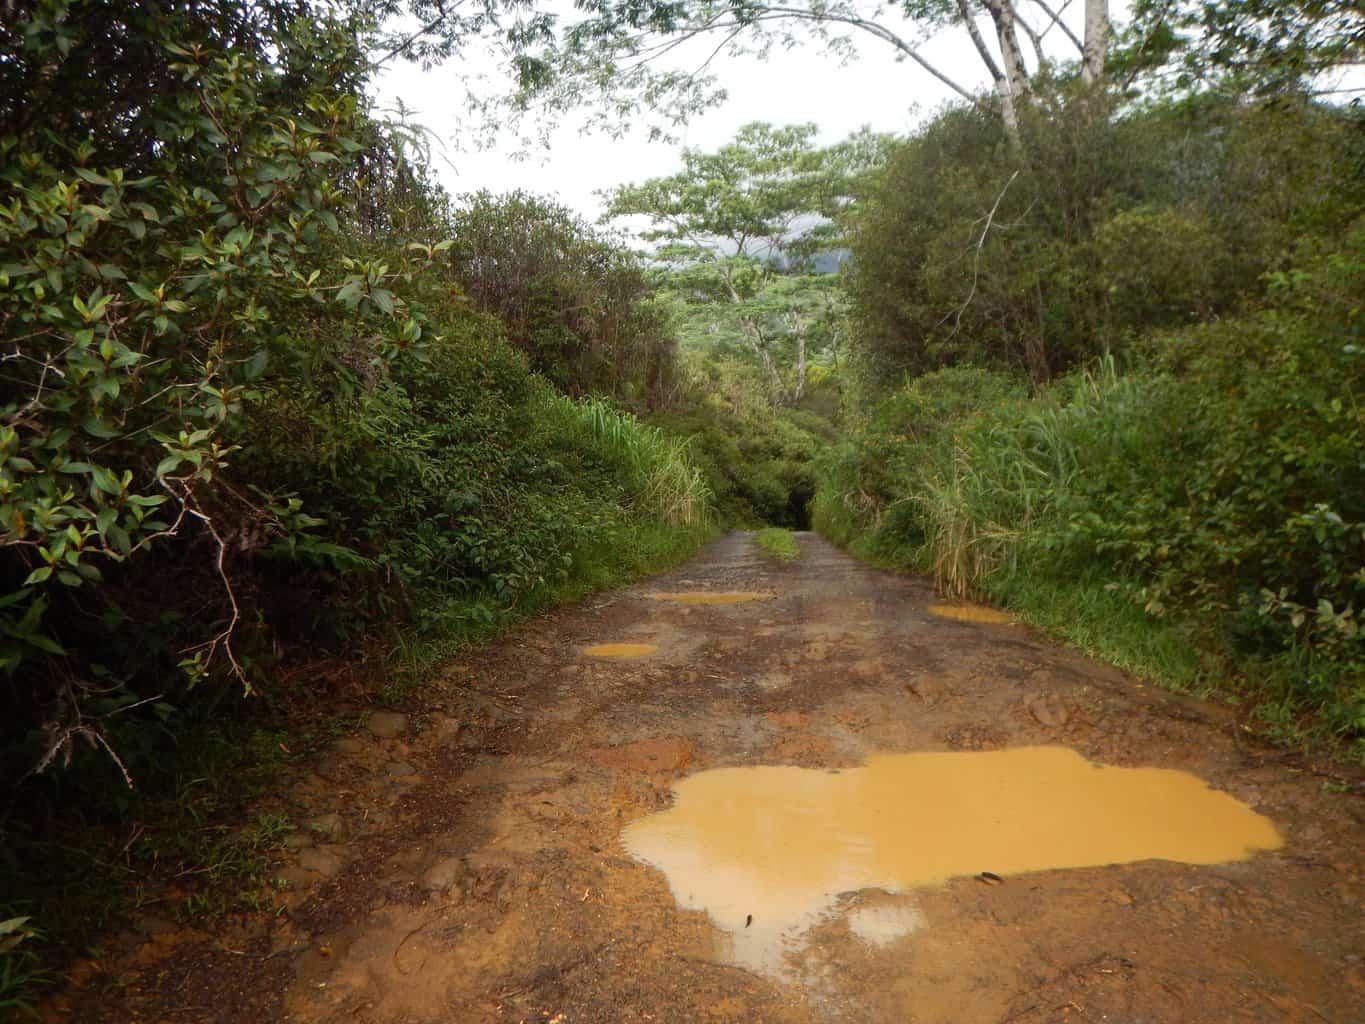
pixel 398 769
pixel 350 745
pixel 321 860
pixel 387 725
pixel 471 738
pixel 1048 712
pixel 296 841
pixel 445 728
pixel 926 688
pixel 329 826
pixel 443 876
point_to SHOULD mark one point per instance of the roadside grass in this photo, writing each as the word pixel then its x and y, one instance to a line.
pixel 1105 625
pixel 778 544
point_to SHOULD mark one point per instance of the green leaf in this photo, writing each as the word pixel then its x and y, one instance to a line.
pixel 96 427
pixel 255 366
pixel 46 643
pixel 38 575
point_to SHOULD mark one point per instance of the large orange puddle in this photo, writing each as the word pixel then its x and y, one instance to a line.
pixel 766 850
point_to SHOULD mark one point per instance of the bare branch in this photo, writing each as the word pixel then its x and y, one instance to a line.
pixel 976 258
pixel 1055 18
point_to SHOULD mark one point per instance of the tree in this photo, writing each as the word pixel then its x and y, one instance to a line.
pixel 615 56
pixel 1263 46
pixel 621 40
pixel 737 228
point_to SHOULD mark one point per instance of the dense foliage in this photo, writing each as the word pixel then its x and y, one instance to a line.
pixel 758 461
pixel 1162 216
pixel 266 400
pixel 1210 499
pixel 576 303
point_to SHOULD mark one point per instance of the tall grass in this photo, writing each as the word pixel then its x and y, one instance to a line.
pixel 666 481
pixel 1202 531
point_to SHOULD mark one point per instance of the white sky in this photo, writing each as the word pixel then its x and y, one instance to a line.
pixel 792 86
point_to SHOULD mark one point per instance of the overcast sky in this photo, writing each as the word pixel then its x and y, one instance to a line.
pixel 793 86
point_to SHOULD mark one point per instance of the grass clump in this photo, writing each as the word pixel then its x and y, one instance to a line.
pixel 778 544
pixel 1198 517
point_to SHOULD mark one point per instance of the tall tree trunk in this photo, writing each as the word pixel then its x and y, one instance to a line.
pixel 765 356
pixel 1096 52
pixel 1013 86
pixel 799 386
pixel 1008 113
pixel 1011 53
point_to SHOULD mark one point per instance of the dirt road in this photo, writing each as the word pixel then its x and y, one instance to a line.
pixel 466 863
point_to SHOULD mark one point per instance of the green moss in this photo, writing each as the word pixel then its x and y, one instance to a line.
pixel 778 544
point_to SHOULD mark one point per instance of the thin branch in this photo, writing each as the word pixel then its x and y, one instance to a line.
pixel 426 29
pixel 969 21
pixel 1055 18
pixel 976 260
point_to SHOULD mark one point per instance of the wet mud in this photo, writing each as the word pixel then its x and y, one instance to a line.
pixel 1056 841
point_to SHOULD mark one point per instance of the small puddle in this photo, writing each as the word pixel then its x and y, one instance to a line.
pixel 714 597
pixel 620 650
pixel 964 612
pixel 766 850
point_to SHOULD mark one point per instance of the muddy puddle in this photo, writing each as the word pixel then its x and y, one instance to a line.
pixel 621 650
pixel 965 612
pixel 713 597
pixel 767 851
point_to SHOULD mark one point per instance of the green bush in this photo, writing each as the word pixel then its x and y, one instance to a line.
pixel 576 303
pixel 250 420
pixel 1163 215
pixel 758 460
pixel 1218 491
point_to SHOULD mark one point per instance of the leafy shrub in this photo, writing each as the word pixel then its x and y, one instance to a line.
pixel 1220 488
pixel 758 461
pixel 579 306
pixel 248 420
pixel 1163 215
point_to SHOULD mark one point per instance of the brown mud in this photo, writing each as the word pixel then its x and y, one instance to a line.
pixel 468 863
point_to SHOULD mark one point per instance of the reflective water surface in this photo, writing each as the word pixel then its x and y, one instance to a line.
pixel 965 612
pixel 766 850
pixel 620 650
pixel 713 596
